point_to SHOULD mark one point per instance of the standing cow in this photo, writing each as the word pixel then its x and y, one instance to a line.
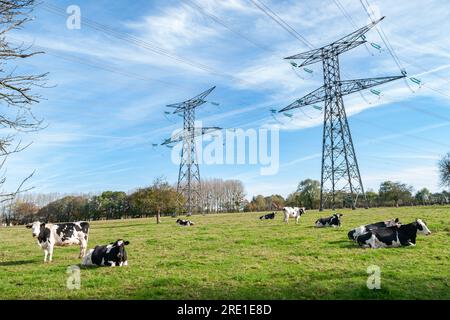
pixel 60 234
pixel 295 212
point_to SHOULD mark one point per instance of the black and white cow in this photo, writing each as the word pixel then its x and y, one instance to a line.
pixel 397 236
pixel 111 255
pixel 60 234
pixel 355 233
pixel 333 221
pixel 185 222
pixel 295 212
pixel 268 216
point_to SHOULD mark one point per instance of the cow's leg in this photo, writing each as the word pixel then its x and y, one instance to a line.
pixel 83 247
pixel 50 251
pixel 45 255
pixel 296 219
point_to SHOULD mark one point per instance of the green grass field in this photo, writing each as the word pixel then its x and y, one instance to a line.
pixel 237 256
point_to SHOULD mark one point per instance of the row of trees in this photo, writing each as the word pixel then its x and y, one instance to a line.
pixel 217 196
pixel 389 194
pixel 159 199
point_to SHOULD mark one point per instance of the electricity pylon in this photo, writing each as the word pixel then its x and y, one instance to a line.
pixel 340 171
pixel 189 173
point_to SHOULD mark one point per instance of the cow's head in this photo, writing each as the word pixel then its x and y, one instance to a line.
pixel 422 227
pixel 393 223
pixel 338 215
pixel 36 227
pixel 119 252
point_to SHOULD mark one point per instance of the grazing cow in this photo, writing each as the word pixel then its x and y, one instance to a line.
pixel 295 212
pixel 333 221
pixel 397 236
pixel 111 255
pixel 185 222
pixel 60 234
pixel 268 216
pixel 355 233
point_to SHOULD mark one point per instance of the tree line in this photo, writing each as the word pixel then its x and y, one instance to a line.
pixel 217 196
pixel 159 199
pixel 389 194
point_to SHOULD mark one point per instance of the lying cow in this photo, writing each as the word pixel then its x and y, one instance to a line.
pixel 355 233
pixel 60 234
pixel 333 221
pixel 185 222
pixel 111 255
pixel 397 236
pixel 295 212
pixel 268 216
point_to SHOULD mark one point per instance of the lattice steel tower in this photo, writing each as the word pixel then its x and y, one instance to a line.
pixel 189 173
pixel 340 171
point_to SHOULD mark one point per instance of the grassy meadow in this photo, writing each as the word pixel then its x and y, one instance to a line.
pixel 237 256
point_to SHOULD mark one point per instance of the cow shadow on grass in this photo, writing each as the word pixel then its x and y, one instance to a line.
pixel 346 244
pixel 15 263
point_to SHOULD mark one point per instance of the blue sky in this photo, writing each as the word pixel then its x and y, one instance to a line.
pixel 102 124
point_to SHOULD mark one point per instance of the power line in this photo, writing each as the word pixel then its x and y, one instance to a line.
pixel 195 5
pixel 349 18
pixel 107 68
pixel 139 42
pixel 271 14
pixel 385 41
pixel 390 49
pixel 110 69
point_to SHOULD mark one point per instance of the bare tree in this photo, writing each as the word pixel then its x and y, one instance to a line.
pixel 444 170
pixel 16 90
pixel 222 196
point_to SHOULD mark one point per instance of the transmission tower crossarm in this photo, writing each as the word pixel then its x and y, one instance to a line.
pixel 316 96
pixel 191 103
pixel 178 137
pixel 347 87
pixel 344 44
pixel 351 86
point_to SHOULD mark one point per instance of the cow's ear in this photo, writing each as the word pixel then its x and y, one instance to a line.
pixel 396 220
pixel 126 243
pixel 42 225
pixel 28 226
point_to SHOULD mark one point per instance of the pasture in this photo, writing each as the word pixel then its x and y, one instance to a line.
pixel 237 256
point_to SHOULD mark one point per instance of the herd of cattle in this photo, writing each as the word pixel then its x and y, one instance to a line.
pixel 384 234
pixel 391 233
